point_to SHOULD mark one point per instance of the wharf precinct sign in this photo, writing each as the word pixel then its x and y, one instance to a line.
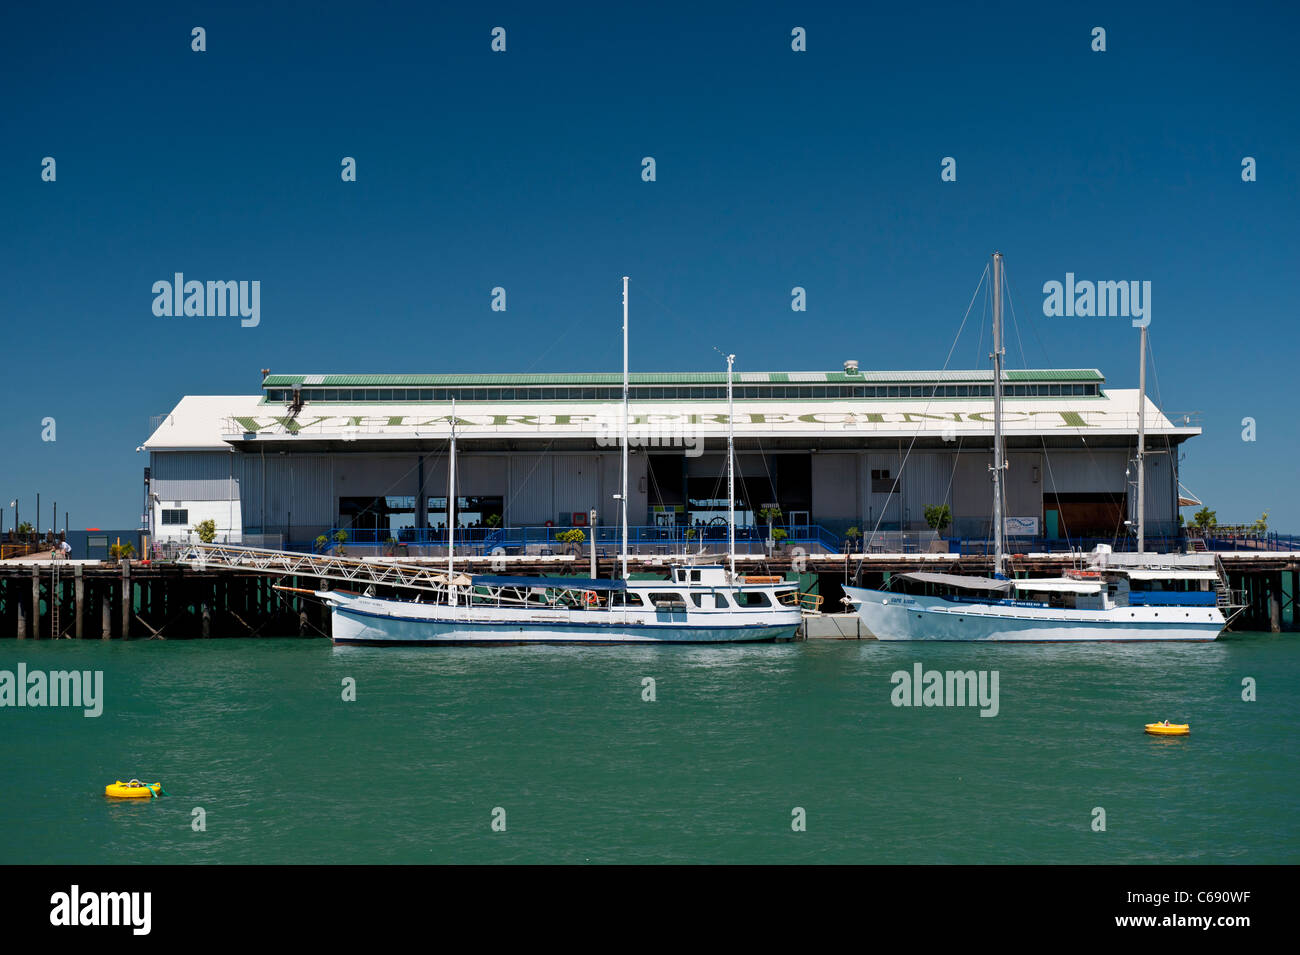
pixel 346 425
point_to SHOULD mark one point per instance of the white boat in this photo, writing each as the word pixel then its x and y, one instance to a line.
pixel 697 605
pixel 1140 597
pixel 928 606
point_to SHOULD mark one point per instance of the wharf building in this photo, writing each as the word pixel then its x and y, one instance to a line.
pixel 850 459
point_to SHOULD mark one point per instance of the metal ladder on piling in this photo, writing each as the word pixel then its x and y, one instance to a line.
pixel 54 600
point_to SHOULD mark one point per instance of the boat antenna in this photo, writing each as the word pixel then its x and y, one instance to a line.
pixel 451 511
pixel 998 352
pixel 623 498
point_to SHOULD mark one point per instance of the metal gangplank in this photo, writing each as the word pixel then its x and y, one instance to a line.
pixel 349 570
pixel 1231 603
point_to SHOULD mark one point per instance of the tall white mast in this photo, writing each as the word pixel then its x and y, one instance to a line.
pixel 1142 440
pixel 998 352
pixel 731 474
pixel 623 499
pixel 451 510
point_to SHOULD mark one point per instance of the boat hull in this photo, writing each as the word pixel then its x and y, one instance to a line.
pixel 369 621
pixel 892 616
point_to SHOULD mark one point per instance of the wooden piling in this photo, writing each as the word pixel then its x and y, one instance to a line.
pixel 79 600
pixel 22 621
pixel 106 611
pixel 36 602
pixel 126 599
pixel 1275 604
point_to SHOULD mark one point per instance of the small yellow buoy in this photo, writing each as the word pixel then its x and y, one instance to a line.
pixel 132 790
pixel 1168 729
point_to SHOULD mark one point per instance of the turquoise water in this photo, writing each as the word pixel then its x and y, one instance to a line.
pixel 256 733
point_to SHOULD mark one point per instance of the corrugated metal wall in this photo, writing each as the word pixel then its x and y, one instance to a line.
pixel 540 487
pixel 1161 505
pixel 835 493
pixel 195 476
pixel 1084 472
pixel 926 481
pixel 577 484
pixel 972 507
pixel 531 482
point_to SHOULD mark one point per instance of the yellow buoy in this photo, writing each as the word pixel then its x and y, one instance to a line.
pixel 132 790
pixel 1168 729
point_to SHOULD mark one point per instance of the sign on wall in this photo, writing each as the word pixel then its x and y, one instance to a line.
pixel 1021 526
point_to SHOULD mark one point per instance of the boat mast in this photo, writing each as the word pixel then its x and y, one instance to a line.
pixel 731 474
pixel 623 498
pixel 998 352
pixel 1142 440
pixel 451 510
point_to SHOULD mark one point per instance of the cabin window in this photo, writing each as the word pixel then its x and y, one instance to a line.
pixel 625 599
pixel 667 601
pixel 753 598
pixel 720 599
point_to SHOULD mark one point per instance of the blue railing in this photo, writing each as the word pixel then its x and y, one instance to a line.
pixel 645 538
pixel 813 538
pixel 1271 541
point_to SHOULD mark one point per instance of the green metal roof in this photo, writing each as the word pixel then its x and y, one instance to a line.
pixel 674 378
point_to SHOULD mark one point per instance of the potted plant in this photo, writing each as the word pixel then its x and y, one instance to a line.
pixel 770 514
pixel 321 541
pixel 573 538
pixel 778 538
pixel 852 535
pixel 120 552
pixel 1205 520
pixel 938 516
pixel 207 531
pixel 390 546
pixel 493 520
pixel 341 538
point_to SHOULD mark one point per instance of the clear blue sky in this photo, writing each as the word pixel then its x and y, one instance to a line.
pixel 523 170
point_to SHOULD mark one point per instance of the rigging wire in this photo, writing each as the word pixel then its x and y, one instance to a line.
pixel 897 483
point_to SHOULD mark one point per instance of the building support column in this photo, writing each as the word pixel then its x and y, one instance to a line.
pixel 421 501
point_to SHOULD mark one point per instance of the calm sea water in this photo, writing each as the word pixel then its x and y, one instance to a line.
pixel 256 733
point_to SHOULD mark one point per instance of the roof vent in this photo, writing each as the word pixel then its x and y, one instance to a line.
pixel 851 367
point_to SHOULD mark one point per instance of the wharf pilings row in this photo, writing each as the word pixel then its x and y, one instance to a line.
pixel 135 599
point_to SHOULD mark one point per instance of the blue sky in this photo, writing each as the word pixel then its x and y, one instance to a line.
pixel 523 170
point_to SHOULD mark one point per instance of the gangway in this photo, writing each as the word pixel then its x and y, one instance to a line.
pixel 348 570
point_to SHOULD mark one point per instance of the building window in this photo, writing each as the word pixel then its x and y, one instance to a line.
pixel 881 483
pixel 175 517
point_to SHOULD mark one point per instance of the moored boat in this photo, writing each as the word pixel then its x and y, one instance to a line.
pixel 1151 598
